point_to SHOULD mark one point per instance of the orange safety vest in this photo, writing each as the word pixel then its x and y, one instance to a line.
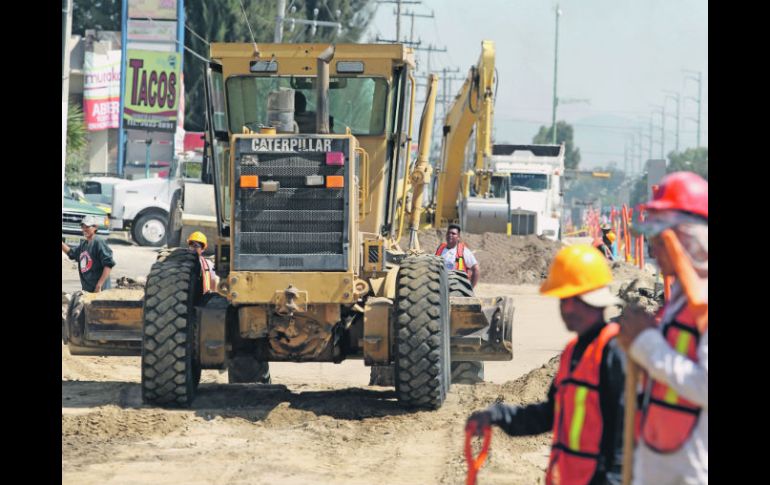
pixel 459 261
pixel 577 422
pixel 205 275
pixel 668 419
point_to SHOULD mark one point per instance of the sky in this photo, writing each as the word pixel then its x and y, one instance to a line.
pixel 619 55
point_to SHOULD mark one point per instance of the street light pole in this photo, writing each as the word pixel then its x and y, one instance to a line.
pixel 65 86
pixel 555 66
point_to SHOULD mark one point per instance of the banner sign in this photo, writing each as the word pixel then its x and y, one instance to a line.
pixel 101 90
pixel 147 30
pixel 153 90
pixel 152 9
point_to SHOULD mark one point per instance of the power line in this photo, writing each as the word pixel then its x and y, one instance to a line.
pixel 196 34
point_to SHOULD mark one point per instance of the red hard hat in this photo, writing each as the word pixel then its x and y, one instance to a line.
pixel 682 191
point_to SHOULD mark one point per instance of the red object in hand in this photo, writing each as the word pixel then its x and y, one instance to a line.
pixel 474 464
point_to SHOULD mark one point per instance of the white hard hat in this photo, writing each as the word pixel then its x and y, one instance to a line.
pixel 90 220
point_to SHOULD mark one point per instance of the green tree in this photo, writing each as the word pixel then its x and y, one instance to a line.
pixel 691 160
pixel 96 15
pixel 77 145
pixel 564 134
pixel 604 191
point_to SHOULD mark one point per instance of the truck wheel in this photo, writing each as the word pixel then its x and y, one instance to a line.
pixel 174 228
pixel 150 229
pixel 247 370
pixel 422 375
pixel 464 372
pixel 170 367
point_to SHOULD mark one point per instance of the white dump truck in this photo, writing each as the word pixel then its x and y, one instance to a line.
pixel 525 195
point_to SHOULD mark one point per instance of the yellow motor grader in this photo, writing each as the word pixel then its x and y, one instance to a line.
pixel 307 147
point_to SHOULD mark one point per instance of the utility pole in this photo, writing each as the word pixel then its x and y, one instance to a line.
pixel 698 79
pixel 676 97
pixel 279 16
pixel 662 109
pixel 398 13
pixel 650 149
pixel 65 84
pixel 411 31
pixel 430 49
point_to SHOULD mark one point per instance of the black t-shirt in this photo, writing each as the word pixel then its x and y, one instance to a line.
pixel 538 418
pixel 92 257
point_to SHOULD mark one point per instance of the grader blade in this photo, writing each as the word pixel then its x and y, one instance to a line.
pixel 481 328
pixel 105 323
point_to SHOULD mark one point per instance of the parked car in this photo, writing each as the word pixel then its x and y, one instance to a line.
pixel 72 215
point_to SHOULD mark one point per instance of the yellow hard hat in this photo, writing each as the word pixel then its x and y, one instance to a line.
pixel 611 236
pixel 198 236
pixel 575 270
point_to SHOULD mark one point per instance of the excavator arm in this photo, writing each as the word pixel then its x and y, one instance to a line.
pixel 472 107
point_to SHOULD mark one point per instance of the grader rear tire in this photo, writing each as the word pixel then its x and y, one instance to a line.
pixel 170 366
pixel 422 374
pixel 464 372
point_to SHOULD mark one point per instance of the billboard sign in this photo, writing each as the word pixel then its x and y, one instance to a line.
pixel 101 90
pixel 147 30
pixel 153 90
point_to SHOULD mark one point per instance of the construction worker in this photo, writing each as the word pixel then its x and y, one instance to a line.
pixel 94 257
pixel 457 256
pixel 197 243
pixel 673 444
pixel 604 244
pixel 584 408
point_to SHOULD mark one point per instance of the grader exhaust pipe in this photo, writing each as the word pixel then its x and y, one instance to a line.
pixel 322 91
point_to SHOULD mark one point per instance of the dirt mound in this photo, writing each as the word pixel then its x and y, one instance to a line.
pixel 506 259
pixel 636 287
pixel 533 386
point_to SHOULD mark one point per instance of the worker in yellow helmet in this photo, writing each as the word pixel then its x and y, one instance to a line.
pixel 198 243
pixel 584 408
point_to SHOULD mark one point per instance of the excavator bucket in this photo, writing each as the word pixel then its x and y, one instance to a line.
pixel 105 323
pixel 481 328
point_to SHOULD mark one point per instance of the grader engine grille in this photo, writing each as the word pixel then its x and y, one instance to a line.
pixel 290 220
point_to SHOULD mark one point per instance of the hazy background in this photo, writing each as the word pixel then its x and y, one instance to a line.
pixel 619 54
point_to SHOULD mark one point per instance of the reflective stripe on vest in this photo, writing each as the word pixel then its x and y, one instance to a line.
pixel 668 419
pixel 205 275
pixel 459 260
pixel 578 423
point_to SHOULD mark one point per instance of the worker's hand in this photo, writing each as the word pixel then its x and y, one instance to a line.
pixel 481 420
pixel 633 321
pixel 98 288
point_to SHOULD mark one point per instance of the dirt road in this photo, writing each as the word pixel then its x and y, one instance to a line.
pixel 317 424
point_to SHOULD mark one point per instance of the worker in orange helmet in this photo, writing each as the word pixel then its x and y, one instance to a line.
pixel 584 408
pixel 673 444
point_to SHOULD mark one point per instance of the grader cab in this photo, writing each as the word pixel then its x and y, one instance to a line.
pixel 308 150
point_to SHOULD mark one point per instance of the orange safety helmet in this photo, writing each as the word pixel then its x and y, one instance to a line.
pixel 199 237
pixel 576 270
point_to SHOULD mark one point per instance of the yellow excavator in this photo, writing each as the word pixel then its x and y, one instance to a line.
pixel 514 189
pixel 308 151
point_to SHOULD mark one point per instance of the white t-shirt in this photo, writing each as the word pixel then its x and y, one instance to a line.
pixel 449 256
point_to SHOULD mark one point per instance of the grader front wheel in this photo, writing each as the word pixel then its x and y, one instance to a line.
pixel 170 368
pixel 422 374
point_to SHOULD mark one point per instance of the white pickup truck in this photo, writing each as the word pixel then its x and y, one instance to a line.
pixel 142 206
